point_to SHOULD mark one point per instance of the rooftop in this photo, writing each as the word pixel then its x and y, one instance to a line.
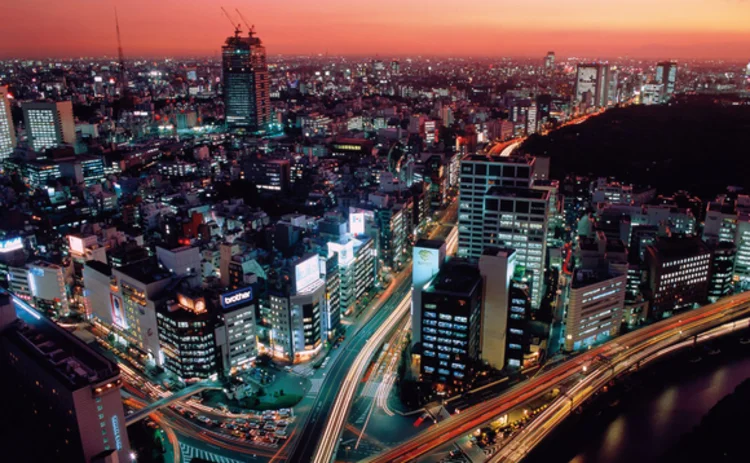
pixel 458 279
pixel 57 351
pixel 522 193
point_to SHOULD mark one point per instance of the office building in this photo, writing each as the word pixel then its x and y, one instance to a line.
pixel 49 124
pixel 62 397
pixel 595 307
pixel 679 270
pixel 236 337
pixel 428 257
pixel 297 300
pixel 268 174
pixel 450 330
pixel 666 74
pixel 497 267
pixel 7 130
pixel 478 174
pixel 592 85
pixel 517 218
pixel 728 220
pixel 123 301
pixel 356 268
pixel 722 270
pixel 187 337
pixel 247 100
pixel 48 288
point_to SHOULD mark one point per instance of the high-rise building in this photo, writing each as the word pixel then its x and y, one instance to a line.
pixel 592 84
pixel 497 266
pixel 666 73
pixel 498 207
pixel 247 101
pixel 236 339
pixel 49 124
pixel 7 131
pixel 722 270
pixel 428 257
pixel 187 337
pixel 451 318
pixel 297 302
pixel 518 218
pixel 549 61
pixel 63 397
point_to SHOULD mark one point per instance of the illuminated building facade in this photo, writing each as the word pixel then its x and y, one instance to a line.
pixel 450 328
pixel 7 130
pixel 247 100
pixel 187 338
pixel 49 124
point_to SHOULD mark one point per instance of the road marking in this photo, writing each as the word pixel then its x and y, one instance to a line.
pixel 189 452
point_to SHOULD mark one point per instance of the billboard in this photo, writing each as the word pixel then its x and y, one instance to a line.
pixel 357 223
pixel 426 264
pixel 237 297
pixel 76 244
pixel 345 251
pixel 12 244
pixel 118 316
pixel 306 272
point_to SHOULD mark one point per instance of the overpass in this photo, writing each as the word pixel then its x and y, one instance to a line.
pixel 522 443
pixel 166 400
pixel 579 378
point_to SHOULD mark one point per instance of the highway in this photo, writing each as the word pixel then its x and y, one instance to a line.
pixel 578 377
pixel 344 374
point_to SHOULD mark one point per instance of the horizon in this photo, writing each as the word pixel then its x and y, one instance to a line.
pixel 674 29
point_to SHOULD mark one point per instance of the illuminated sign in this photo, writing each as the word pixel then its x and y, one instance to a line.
pixel 116 432
pixel 76 244
pixel 118 317
pixel 13 244
pixel 426 264
pixel 237 297
pixel 306 272
pixel 357 223
pixel 345 252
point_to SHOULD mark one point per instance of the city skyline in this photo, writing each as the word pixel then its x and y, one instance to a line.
pixel 679 30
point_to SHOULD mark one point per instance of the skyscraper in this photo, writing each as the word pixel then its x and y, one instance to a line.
pixel 549 61
pixel 7 131
pixel 666 73
pixel 592 84
pixel 247 101
pixel 49 124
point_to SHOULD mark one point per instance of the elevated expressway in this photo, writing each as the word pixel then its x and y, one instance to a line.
pixel 578 379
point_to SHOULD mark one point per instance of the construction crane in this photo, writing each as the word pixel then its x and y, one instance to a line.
pixel 250 29
pixel 237 29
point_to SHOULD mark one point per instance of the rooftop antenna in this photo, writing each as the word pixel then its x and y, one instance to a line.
pixel 250 29
pixel 121 57
pixel 236 27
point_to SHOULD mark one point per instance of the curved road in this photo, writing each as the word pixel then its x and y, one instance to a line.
pixel 614 356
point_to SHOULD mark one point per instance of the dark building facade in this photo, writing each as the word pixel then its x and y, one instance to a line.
pixel 679 270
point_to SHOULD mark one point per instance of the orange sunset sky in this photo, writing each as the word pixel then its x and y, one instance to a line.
pixel 587 28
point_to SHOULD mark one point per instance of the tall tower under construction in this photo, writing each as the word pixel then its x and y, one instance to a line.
pixel 247 103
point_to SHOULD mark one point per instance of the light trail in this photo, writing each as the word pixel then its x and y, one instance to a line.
pixel 326 449
pixel 622 353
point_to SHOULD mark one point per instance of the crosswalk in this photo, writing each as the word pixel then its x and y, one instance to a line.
pixel 189 452
pixel 315 384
